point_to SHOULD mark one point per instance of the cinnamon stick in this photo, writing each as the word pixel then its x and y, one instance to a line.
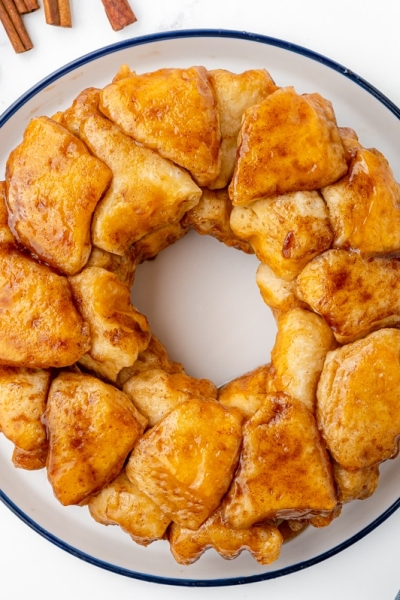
pixel 14 27
pixel 119 13
pixel 32 5
pixel 65 13
pixel 21 6
pixel 26 6
pixel 57 12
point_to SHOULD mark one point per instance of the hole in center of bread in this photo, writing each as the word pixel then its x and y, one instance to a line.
pixel 203 303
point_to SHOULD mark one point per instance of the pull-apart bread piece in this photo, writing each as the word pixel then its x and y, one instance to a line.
pixel 7 239
pixel 284 470
pixel 235 93
pixel 123 266
pixel 287 143
pixel 263 541
pixel 53 187
pixel 364 206
pixel 40 325
pixel 355 485
pixel 280 295
pixel 211 216
pixel 172 111
pixel 358 407
pixel 185 464
pixel 350 142
pixel 23 397
pixel 301 345
pixel 118 331
pixel 92 427
pixel 285 231
pixel 155 393
pixel 84 105
pixel 122 503
pixel 154 357
pixel 355 295
pixel 147 191
pixel 150 245
pixel 246 392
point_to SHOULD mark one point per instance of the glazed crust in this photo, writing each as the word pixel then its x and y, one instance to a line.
pixel 182 465
pixel 287 143
pixel 53 187
pixel 173 111
pixel 92 428
pixel 40 324
pixel 289 479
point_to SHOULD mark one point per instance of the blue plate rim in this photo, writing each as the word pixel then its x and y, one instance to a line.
pixel 146 39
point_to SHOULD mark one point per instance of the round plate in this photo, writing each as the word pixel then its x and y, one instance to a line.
pixel 202 301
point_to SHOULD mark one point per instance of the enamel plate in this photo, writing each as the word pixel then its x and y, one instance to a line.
pixel 202 301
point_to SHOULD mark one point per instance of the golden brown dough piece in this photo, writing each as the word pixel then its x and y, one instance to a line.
pixel 302 343
pixel 23 397
pixel 40 326
pixel 30 460
pixel 288 479
pixel 150 245
pixel 263 541
pixel 359 400
pixel 6 237
pixel 287 143
pixel 278 294
pixel 122 266
pixel 211 216
pixel 92 428
pixel 84 105
pixel 355 485
pixel 173 111
pixel 291 529
pixel 364 206
pixel 286 231
pixel 235 93
pixel 330 280
pixel 246 392
pixel 155 393
pixel 350 142
pixel 122 503
pixel 53 187
pixel 118 331
pixel 183 465
pixel 146 192
pixel 154 357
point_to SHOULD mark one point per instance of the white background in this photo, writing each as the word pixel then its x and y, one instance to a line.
pixel 362 35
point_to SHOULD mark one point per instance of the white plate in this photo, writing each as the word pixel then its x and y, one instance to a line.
pixel 202 301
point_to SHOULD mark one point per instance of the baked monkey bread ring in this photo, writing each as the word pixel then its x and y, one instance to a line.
pixel 89 393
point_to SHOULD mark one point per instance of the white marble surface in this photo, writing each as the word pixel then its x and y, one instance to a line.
pixel 363 36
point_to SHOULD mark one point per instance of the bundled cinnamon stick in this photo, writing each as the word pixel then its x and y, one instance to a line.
pixel 119 13
pixel 57 12
pixel 14 27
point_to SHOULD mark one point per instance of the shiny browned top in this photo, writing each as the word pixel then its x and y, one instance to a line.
pixel 358 406
pixel 40 325
pixel 186 462
pixel 53 186
pixel 289 142
pixel 146 193
pixel 284 469
pixel 355 295
pixel 364 206
pixel 92 428
pixel 173 111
